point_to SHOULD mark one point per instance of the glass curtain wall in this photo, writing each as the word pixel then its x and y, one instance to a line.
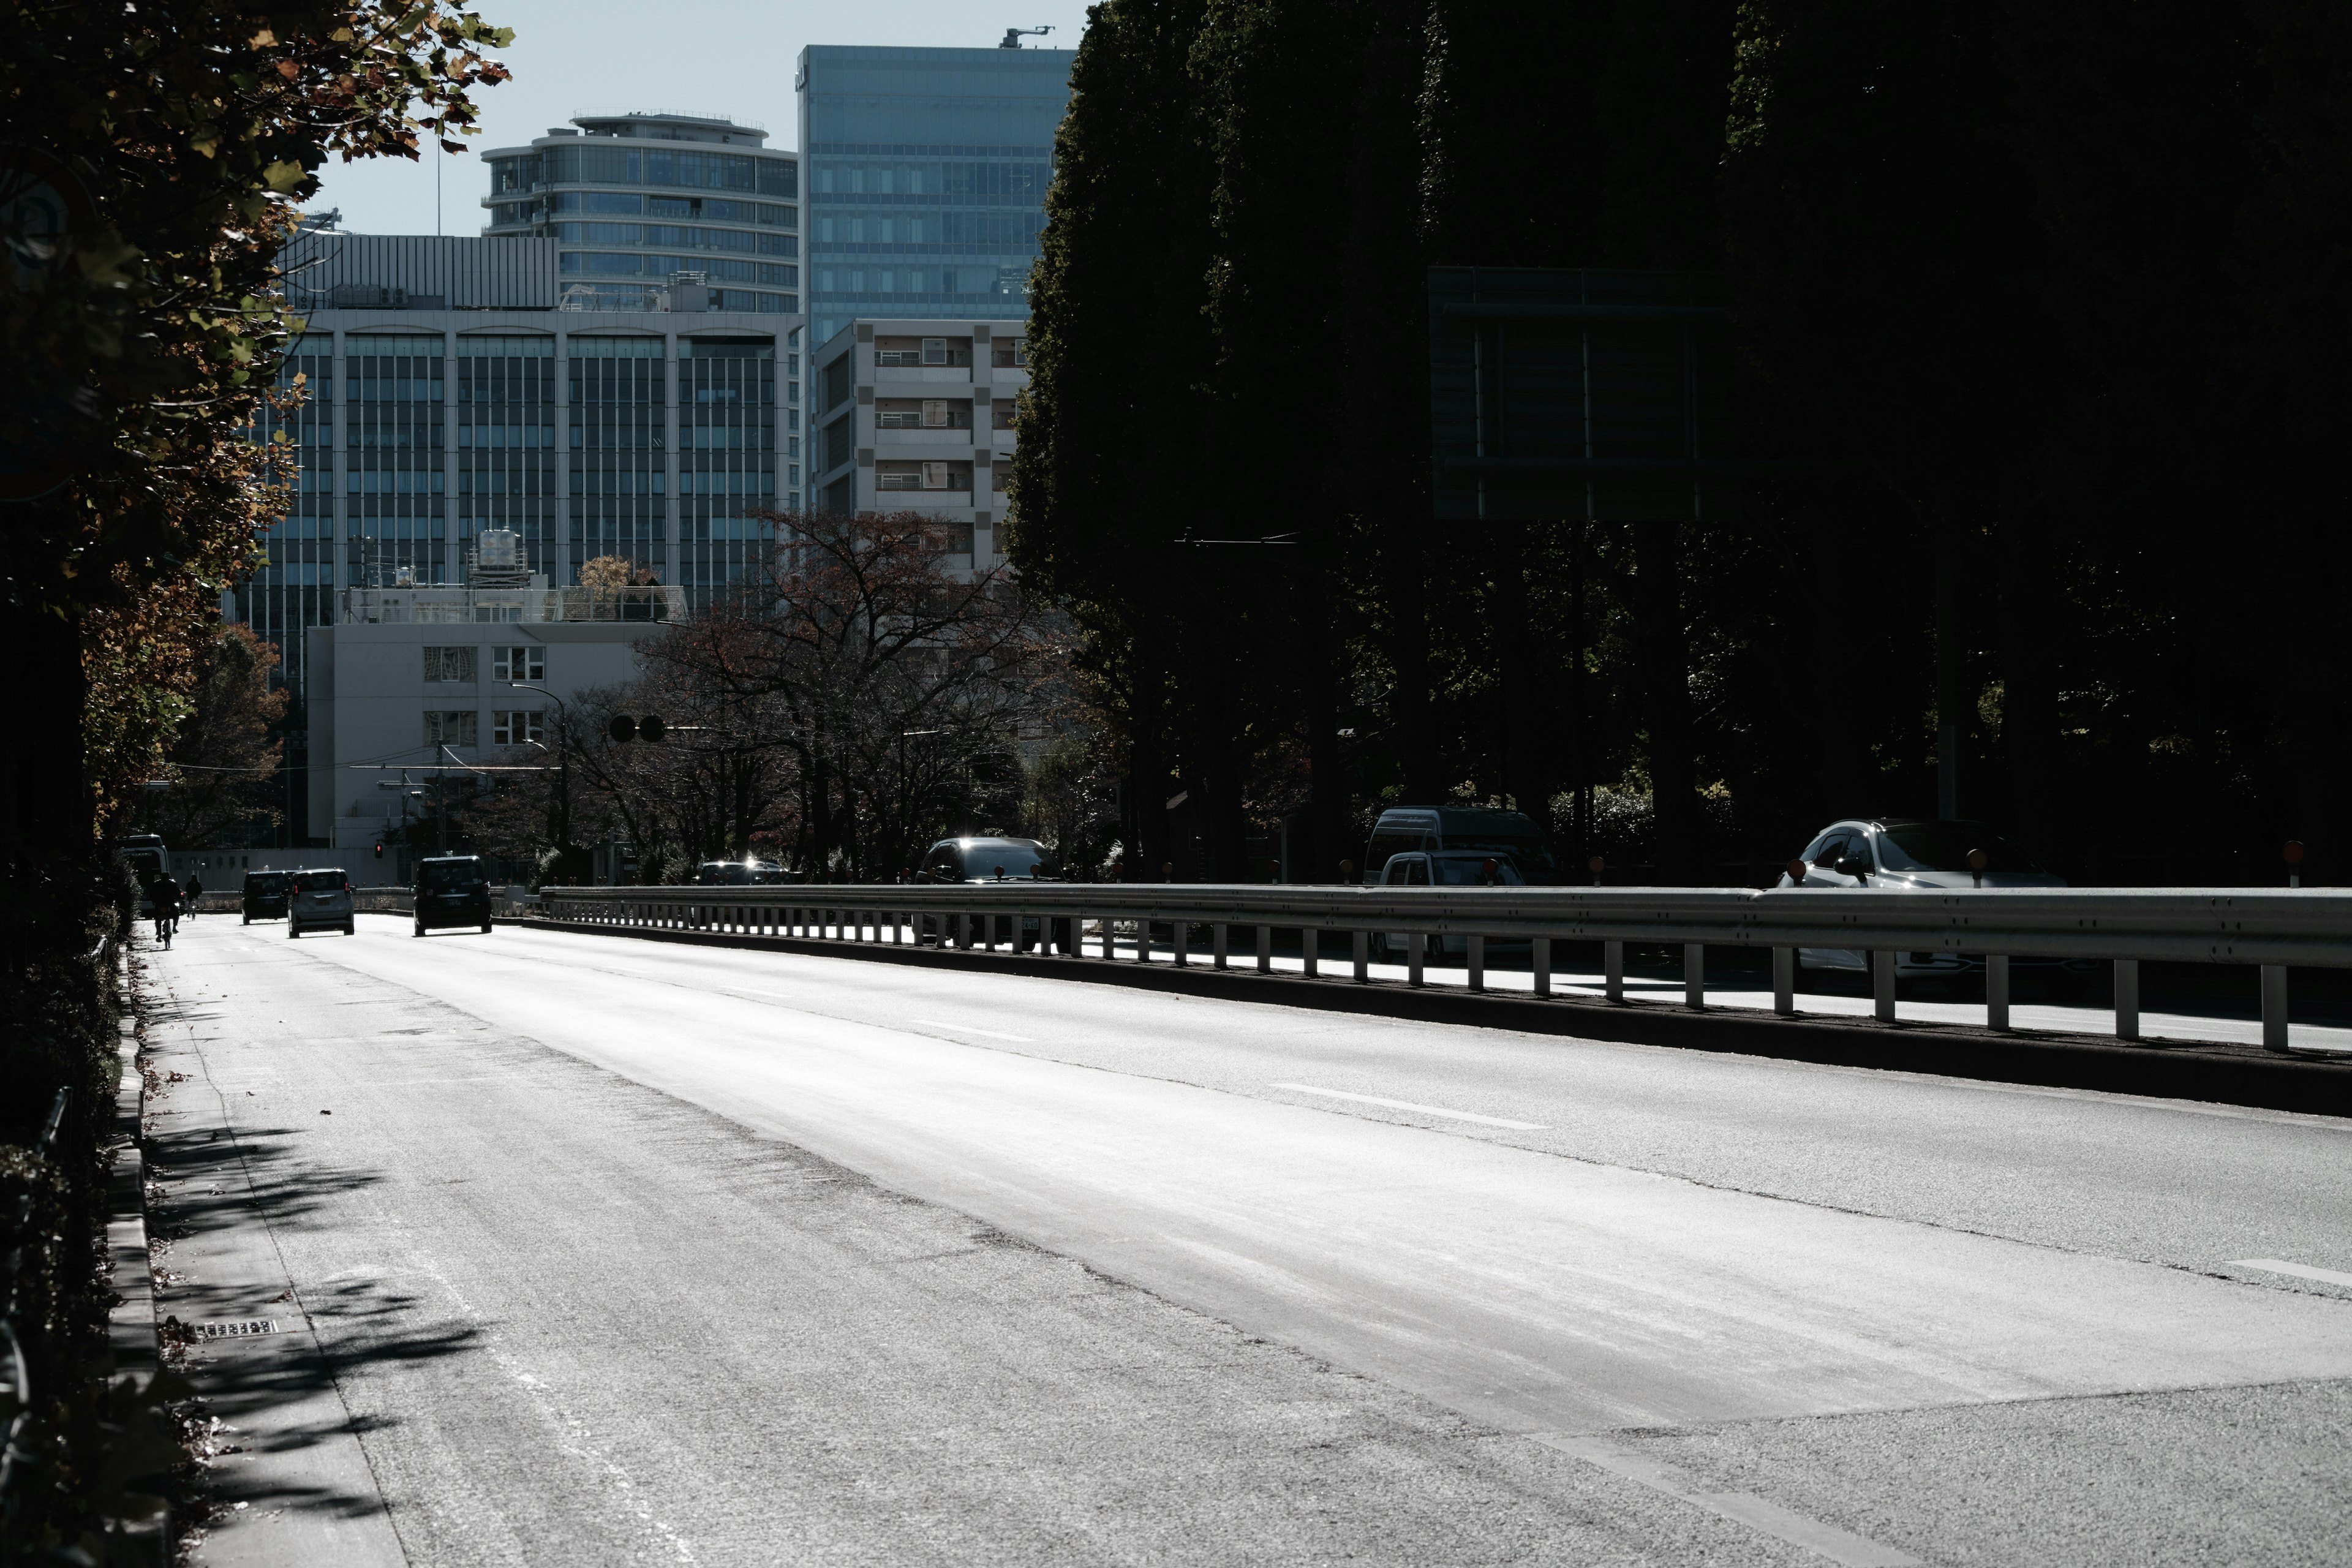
pixel 506 445
pixel 394 422
pixel 727 459
pixel 295 586
pixel 927 176
pixel 703 212
pixel 619 408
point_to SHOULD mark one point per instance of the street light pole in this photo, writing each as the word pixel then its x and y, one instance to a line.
pixel 559 826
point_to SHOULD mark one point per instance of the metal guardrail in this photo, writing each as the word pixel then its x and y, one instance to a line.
pixel 2269 928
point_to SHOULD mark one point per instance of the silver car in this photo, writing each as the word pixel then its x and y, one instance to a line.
pixel 1465 868
pixel 1898 854
pixel 319 901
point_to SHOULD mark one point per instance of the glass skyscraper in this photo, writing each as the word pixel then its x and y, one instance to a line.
pixel 925 179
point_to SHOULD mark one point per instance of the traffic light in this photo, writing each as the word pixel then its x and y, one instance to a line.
pixel 379 849
pixel 623 728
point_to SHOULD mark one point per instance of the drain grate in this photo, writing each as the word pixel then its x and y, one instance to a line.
pixel 235 1329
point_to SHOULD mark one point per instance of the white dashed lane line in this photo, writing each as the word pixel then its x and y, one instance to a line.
pixel 2300 1270
pixel 1416 1110
pixel 970 1029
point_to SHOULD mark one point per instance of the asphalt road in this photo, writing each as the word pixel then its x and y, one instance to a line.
pixel 612 1251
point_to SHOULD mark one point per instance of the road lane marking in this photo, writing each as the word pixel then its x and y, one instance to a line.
pixel 1759 1514
pixel 1418 1110
pixel 968 1029
pixel 2300 1270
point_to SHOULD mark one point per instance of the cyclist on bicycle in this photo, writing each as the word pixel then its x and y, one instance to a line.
pixel 166 895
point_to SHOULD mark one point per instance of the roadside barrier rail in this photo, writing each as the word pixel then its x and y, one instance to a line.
pixel 2265 928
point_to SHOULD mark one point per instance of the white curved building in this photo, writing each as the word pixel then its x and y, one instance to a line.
pixel 640 203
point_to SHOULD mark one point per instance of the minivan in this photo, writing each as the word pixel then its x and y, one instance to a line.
pixel 265 894
pixel 319 901
pixel 452 891
pixel 1451 830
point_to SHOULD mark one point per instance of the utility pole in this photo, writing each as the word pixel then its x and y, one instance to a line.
pixel 1950 697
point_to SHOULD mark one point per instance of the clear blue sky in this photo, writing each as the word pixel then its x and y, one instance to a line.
pixel 719 57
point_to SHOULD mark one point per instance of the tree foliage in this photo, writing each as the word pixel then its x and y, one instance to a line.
pixel 845 704
pixel 179 138
pixel 2048 299
pixel 154 160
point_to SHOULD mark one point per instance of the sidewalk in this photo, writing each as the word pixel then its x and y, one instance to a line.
pixel 291 1486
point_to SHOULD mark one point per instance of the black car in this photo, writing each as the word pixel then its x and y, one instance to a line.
pixel 992 859
pixel 265 895
pixel 452 891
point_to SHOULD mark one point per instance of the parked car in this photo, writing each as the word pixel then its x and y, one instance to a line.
pixel 740 874
pixel 1913 855
pixel 986 859
pixel 1454 868
pixel 319 901
pixel 1477 830
pixel 266 893
pixel 452 891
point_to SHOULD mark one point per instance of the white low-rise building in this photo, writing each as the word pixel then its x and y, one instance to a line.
pixel 414 689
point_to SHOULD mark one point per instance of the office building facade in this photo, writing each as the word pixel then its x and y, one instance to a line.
pixel 454 387
pixel 925 180
pixel 917 415
pixel 640 201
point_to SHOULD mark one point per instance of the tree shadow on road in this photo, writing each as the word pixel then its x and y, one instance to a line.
pixel 272 1367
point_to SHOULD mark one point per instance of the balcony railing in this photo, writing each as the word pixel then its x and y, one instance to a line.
pixel 467 607
pixel 891 420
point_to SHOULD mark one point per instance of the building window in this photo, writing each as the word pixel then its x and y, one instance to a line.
pixel 520 663
pixel 517 727
pixel 452 728
pixel 935 476
pixel 449 664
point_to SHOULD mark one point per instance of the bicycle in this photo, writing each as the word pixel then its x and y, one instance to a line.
pixel 165 925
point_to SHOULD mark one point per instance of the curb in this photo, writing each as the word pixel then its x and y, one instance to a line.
pixel 131 1332
pixel 2226 1075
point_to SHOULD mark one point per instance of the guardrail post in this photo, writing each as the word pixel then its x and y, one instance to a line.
pixel 1784 981
pixel 1415 945
pixel 1218 935
pixel 2275 1006
pixel 1109 938
pixel 1181 930
pixel 1539 959
pixel 1310 949
pixel 1612 970
pixel 1266 950
pixel 1143 940
pixel 2127 998
pixel 1882 985
pixel 1694 976
pixel 1362 942
pixel 963 932
pixel 1475 956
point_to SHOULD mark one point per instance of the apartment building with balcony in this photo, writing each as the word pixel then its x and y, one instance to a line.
pixel 917 415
